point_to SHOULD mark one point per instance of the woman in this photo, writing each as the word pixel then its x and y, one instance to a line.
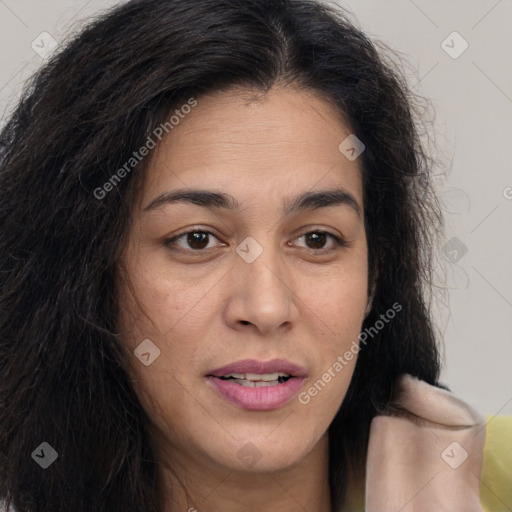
pixel 216 227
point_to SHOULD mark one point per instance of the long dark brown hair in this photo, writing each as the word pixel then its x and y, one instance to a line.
pixel 81 117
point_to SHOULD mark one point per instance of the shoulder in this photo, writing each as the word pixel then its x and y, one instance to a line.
pixel 433 451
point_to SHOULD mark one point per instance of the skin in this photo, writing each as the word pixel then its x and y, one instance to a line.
pixel 302 300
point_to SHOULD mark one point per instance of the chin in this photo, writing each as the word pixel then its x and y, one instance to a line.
pixel 257 453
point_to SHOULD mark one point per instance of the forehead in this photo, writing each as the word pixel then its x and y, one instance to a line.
pixel 284 141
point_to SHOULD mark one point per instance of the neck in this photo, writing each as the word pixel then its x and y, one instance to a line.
pixel 189 484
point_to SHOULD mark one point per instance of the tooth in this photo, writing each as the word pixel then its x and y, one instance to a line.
pixel 246 383
pixel 263 384
pixel 256 384
pixel 267 377
pixel 264 377
pixel 235 375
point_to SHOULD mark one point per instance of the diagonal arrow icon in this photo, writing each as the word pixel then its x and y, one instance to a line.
pixel 147 352
pixel 454 455
pixel 454 45
pixel 44 455
pixel 249 253
pixel 351 147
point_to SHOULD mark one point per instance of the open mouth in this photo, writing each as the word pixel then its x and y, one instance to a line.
pixel 257 385
pixel 256 391
pixel 253 380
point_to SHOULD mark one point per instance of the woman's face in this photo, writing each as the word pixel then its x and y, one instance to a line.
pixel 260 277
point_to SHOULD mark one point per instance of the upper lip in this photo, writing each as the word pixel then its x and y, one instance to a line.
pixel 260 368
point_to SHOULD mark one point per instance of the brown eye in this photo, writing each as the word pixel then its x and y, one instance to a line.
pixel 195 240
pixel 199 240
pixel 316 240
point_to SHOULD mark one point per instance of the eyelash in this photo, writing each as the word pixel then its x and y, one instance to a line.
pixel 338 241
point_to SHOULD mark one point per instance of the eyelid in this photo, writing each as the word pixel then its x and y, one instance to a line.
pixel 172 239
pixel 339 241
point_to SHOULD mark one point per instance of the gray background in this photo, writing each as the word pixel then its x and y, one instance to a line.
pixel 472 98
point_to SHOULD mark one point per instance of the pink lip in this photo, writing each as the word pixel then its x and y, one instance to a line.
pixel 257 399
pixel 262 398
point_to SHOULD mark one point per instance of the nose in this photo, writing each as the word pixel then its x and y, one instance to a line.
pixel 263 293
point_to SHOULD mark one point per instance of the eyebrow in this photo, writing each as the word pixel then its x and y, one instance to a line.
pixel 220 200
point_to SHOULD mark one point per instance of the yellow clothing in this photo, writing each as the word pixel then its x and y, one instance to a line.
pixel 496 479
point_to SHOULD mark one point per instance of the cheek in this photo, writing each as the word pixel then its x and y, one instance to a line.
pixel 339 303
pixel 166 316
pixel 338 311
pixel 163 305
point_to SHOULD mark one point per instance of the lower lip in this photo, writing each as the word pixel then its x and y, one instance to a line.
pixel 264 398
